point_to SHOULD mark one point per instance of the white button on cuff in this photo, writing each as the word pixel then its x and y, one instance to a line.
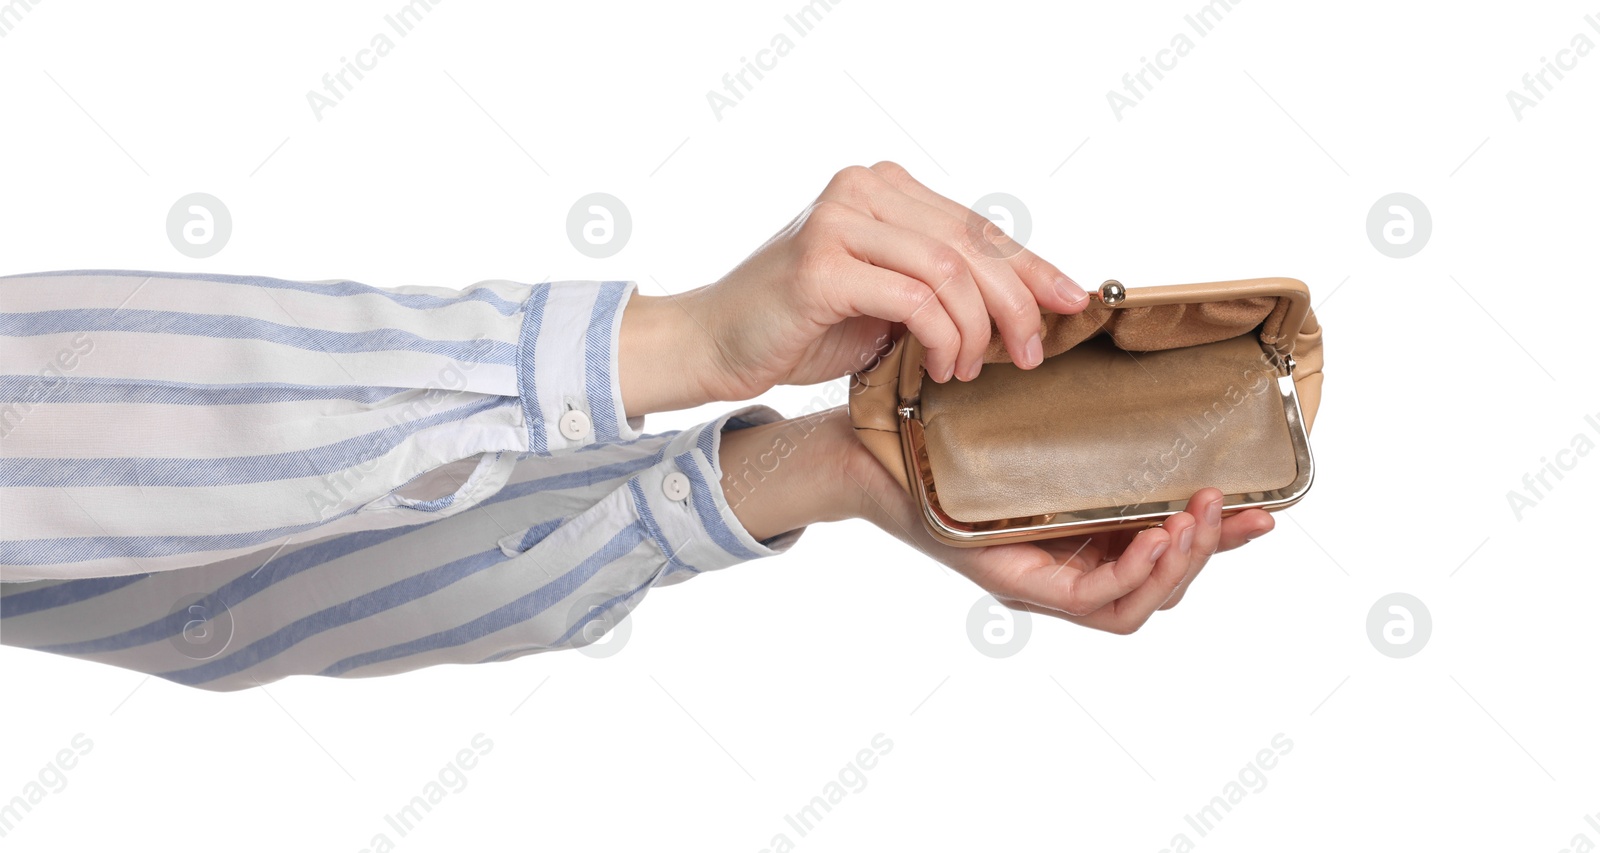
pixel 575 425
pixel 675 486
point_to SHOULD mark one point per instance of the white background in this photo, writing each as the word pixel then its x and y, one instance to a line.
pixel 740 696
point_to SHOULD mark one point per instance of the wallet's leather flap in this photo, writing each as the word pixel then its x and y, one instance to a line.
pixel 1152 327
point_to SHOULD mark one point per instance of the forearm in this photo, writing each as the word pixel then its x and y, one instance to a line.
pixel 788 474
pixel 565 550
pixel 259 410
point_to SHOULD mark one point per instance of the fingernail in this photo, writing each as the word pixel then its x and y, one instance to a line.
pixel 1214 512
pixel 1070 290
pixel 1255 533
pixel 1184 539
pixel 1033 352
pixel 975 368
pixel 1156 552
pixel 945 374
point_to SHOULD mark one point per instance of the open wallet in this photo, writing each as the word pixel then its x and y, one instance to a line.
pixel 1145 397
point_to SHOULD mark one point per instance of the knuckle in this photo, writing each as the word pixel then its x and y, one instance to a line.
pixel 909 292
pixel 913 295
pixel 946 264
pixel 851 180
pixel 981 238
pixel 1076 606
pixel 992 233
pixel 967 235
pixel 1033 266
pixel 1019 309
pixel 1012 320
pixel 825 225
pixel 1124 627
pixel 827 214
pixel 890 170
pixel 944 337
pixel 820 260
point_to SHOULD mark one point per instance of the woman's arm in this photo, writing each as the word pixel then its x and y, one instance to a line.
pixel 567 548
pixel 154 421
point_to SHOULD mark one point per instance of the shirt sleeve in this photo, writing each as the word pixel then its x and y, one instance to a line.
pixel 556 560
pixel 154 421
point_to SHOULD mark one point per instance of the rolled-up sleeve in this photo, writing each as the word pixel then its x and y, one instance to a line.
pixel 154 421
pixel 569 546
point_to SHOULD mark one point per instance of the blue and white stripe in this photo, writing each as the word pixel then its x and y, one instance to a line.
pixel 153 421
pixel 514 576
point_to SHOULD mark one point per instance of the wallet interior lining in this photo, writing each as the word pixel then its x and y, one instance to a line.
pixel 1096 423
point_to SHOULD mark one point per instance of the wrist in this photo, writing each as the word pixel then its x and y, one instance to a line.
pixel 662 355
pixel 788 474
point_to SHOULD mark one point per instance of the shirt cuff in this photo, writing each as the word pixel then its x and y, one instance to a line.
pixel 567 368
pixel 681 502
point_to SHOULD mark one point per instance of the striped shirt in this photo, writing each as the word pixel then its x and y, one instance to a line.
pixel 224 480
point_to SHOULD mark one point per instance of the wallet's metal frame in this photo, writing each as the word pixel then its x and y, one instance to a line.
pixel 1100 519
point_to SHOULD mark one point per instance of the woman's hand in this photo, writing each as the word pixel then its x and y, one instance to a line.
pixel 1108 581
pixel 1111 582
pixel 875 253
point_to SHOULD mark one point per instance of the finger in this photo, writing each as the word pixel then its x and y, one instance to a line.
pixel 875 291
pixel 905 243
pixel 1080 552
pixel 1012 304
pixel 940 267
pixel 1205 507
pixel 1245 526
pixel 1236 530
pixel 1115 541
pixel 1080 593
pixel 1130 612
pixel 967 304
pixel 1052 288
pixel 866 191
